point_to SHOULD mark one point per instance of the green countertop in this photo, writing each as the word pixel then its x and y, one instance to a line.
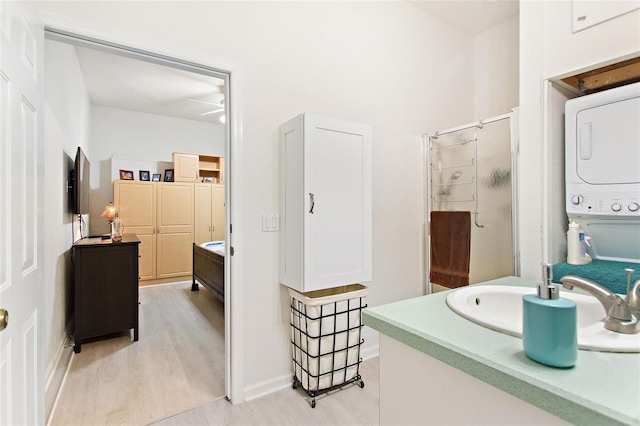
pixel 603 388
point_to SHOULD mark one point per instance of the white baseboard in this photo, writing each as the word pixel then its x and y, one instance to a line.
pixel 56 375
pixel 268 386
pixel 370 352
pixel 284 381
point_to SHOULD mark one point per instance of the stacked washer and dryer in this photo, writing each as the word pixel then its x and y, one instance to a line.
pixel 602 171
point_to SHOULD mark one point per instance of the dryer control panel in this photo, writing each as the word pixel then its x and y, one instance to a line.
pixel 604 203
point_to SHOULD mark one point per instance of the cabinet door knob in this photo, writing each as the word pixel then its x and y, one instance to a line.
pixel 4 319
pixel 312 202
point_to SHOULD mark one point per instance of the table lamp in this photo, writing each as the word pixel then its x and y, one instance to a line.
pixel 110 213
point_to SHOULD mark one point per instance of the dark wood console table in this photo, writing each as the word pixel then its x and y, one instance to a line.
pixel 106 287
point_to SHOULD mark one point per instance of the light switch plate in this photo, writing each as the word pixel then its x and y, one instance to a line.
pixel 270 223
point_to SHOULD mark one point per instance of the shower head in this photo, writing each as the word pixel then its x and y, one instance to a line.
pixel 446 189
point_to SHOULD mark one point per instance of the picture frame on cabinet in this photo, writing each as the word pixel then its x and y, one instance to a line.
pixel 144 175
pixel 126 174
pixel 156 177
pixel 168 175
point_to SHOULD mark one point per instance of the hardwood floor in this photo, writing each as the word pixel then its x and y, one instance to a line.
pixel 348 406
pixel 177 364
pixel 174 375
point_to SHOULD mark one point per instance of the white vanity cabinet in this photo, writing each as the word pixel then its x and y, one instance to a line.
pixel 325 203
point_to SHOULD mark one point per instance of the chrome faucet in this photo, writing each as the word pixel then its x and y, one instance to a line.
pixel 633 297
pixel 623 315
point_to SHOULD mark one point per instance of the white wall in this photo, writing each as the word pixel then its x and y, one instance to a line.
pixel 496 80
pixel 530 173
pixel 555 219
pixel 139 136
pixel 384 63
pixel 568 53
pixel 65 129
pixel 550 50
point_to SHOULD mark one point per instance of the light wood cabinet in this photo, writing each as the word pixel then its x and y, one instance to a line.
pixel 218 213
pixel 196 167
pixel 136 202
pixel 325 203
pixel 209 212
pixel 175 229
pixel 161 215
pixel 185 167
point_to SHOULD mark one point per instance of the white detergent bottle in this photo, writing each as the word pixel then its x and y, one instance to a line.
pixel 576 245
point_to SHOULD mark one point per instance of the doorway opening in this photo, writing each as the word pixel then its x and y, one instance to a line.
pixel 217 107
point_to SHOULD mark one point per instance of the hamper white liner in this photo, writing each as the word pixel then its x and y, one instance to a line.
pixel 324 357
pixel 314 382
pixel 330 295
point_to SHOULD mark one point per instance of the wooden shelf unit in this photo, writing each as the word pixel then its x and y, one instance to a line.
pixel 212 167
pixel 196 167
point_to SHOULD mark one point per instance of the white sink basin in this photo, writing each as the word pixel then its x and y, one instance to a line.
pixel 500 308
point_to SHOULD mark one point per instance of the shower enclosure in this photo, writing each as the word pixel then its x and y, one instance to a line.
pixel 472 168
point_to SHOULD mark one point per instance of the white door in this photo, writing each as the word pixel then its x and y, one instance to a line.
pixel 337 228
pixel 21 216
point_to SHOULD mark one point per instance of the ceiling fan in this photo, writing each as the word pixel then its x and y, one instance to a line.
pixel 217 106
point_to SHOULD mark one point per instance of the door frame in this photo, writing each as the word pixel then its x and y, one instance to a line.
pixel 234 359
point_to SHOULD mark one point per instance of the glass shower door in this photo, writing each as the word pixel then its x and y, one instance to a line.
pixel 492 254
pixel 471 170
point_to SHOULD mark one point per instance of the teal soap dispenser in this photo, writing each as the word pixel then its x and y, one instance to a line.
pixel 549 329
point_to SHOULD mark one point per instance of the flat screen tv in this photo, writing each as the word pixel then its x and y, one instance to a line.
pixel 80 180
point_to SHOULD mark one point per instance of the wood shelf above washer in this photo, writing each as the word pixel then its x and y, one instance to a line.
pixel 603 78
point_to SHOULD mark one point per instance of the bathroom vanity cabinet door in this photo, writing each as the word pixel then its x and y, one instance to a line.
pixel 326 203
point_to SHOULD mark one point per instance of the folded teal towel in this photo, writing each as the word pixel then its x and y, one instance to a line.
pixel 607 273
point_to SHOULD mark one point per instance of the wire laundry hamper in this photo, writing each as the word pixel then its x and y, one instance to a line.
pixel 326 334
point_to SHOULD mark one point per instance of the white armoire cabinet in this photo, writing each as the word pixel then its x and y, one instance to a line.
pixel 325 203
